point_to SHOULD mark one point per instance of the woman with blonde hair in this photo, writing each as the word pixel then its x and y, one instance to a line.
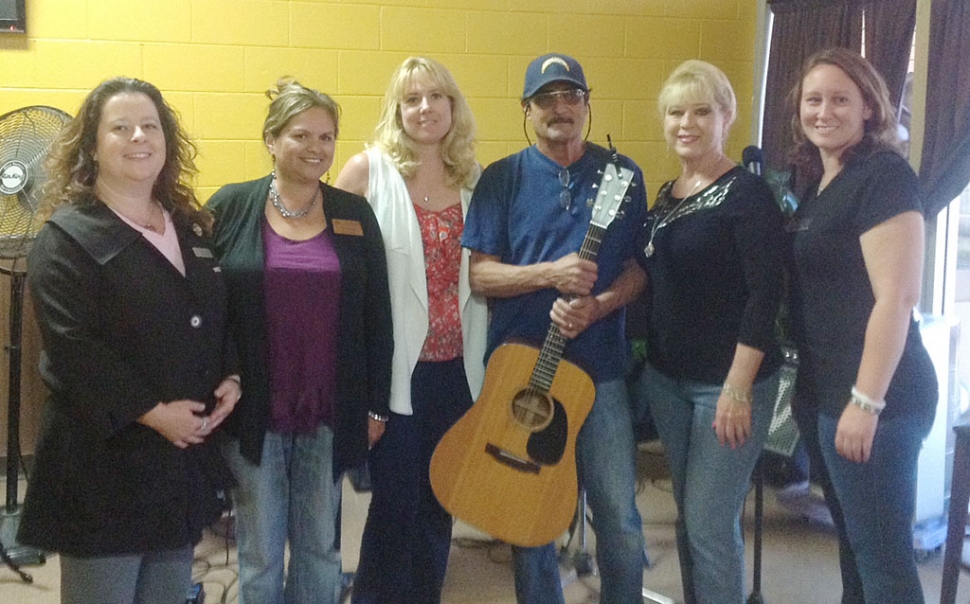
pixel 713 254
pixel 866 391
pixel 418 176
pixel 310 315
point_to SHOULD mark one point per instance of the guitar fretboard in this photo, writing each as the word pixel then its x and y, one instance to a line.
pixel 552 347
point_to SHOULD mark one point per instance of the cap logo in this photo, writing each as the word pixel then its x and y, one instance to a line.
pixel 552 61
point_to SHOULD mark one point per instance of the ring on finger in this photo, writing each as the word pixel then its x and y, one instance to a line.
pixel 205 423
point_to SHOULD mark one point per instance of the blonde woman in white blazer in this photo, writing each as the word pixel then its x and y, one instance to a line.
pixel 418 176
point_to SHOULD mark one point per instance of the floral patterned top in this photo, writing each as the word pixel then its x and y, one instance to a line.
pixel 441 235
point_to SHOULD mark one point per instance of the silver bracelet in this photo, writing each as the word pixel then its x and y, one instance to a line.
pixel 737 395
pixel 865 403
pixel 377 417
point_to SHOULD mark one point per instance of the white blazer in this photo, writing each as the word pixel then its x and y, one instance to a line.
pixel 388 195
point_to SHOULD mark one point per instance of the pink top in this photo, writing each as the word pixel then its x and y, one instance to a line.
pixel 167 243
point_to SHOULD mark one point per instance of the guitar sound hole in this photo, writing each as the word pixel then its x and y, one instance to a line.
pixel 533 410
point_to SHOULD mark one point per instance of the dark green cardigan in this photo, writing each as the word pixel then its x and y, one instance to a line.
pixel 365 341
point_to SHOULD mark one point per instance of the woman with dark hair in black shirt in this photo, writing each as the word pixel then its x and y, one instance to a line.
pixel 866 389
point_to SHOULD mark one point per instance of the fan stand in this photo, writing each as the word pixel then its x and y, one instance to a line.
pixel 16 556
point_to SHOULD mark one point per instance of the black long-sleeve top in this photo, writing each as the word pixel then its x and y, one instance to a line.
pixel 716 277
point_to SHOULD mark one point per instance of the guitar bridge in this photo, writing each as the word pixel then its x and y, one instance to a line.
pixel 513 461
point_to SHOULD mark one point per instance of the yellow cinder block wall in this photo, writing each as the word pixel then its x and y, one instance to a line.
pixel 214 59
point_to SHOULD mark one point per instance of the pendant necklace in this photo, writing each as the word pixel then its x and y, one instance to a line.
pixel 145 224
pixel 659 224
pixel 274 197
pixel 151 214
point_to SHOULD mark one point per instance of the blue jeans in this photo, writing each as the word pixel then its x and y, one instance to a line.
pixel 407 537
pixel 292 496
pixel 606 464
pixel 710 481
pixel 148 578
pixel 872 505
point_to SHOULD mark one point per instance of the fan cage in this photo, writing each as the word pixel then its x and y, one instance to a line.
pixel 26 136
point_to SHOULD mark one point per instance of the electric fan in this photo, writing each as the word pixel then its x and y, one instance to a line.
pixel 26 135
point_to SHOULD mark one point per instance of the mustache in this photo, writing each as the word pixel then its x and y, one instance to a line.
pixel 560 120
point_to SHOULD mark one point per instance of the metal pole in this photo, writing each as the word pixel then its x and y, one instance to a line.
pixel 13 388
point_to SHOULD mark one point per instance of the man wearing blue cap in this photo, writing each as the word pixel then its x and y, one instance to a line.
pixel 527 220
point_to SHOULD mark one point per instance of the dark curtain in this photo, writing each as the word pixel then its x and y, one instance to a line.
pixel 803 27
pixel 945 166
pixel 889 41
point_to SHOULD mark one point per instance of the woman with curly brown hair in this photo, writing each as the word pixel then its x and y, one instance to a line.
pixel 132 312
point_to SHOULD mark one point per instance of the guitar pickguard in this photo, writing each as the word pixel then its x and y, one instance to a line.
pixel 546 446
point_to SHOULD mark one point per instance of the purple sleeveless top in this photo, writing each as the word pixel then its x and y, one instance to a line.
pixel 302 292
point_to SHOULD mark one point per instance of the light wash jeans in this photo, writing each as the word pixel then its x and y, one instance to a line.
pixel 872 505
pixel 710 481
pixel 292 496
pixel 606 464
pixel 148 578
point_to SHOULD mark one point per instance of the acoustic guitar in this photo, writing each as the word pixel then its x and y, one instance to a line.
pixel 508 466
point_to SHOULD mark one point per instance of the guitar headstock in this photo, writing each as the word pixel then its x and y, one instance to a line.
pixel 611 194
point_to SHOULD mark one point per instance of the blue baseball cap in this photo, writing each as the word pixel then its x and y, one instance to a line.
pixel 550 68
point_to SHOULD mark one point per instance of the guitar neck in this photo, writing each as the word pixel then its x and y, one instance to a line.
pixel 555 343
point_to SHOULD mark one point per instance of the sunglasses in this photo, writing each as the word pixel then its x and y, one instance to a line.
pixel 547 100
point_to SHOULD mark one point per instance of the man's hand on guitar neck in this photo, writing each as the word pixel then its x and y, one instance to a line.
pixel 570 275
pixel 574 315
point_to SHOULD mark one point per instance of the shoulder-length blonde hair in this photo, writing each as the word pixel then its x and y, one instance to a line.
pixel 72 170
pixel 458 147
pixel 880 131
pixel 699 81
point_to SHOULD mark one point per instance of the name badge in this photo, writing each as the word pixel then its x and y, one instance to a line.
pixel 202 252
pixel 347 227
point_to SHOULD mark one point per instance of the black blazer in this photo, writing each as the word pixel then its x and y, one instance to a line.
pixel 122 329
pixel 365 343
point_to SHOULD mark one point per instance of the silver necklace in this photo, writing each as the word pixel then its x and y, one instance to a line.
pixel 274 197
pixel 659 224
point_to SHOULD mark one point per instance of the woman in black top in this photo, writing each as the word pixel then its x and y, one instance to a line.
pixel 132 312
pixel 866 390
pixel 713 256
